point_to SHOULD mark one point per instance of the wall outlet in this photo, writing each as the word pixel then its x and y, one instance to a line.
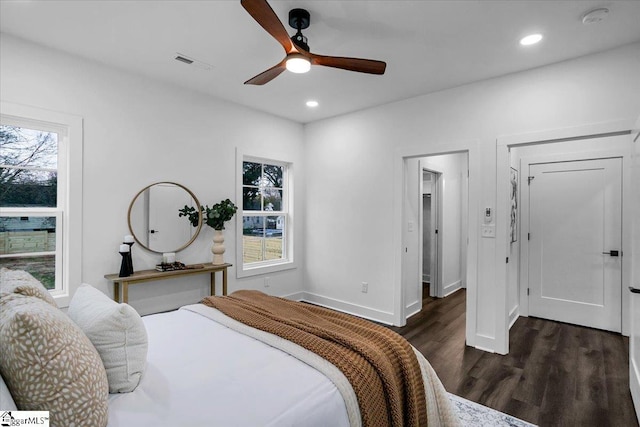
pixel 488 231
pixel 365 287
pixel 267 282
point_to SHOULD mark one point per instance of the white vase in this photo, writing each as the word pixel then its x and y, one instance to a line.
pixel 218 247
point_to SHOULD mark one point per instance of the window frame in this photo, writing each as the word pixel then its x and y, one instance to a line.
pixel 68 211
pixel 265 266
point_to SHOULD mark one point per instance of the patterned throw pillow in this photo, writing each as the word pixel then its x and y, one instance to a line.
pixel 116 331
pixel 23 283
pixel 49 364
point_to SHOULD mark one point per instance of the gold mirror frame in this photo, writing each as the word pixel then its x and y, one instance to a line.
pixel 196 202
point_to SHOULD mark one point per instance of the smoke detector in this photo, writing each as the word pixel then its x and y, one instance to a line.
pixel 594 16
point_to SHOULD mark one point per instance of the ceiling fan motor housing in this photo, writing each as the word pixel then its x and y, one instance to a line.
pixel 299 19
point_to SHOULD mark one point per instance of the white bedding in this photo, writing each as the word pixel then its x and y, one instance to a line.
pixel 197 374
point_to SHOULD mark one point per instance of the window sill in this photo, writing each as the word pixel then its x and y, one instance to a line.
pixel 265 269
pixel 62 299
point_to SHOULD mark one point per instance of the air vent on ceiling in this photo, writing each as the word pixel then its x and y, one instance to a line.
pixel 192 61
pixel 184 59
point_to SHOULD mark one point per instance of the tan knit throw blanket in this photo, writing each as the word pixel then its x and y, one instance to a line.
pixel 379 364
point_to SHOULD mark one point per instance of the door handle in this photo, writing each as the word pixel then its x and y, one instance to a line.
pixel 156 231
pixel 612 253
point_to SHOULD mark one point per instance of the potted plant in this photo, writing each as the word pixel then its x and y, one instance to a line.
pixel 214 217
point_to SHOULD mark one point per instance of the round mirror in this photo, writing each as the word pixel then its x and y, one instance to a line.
pixel 154 219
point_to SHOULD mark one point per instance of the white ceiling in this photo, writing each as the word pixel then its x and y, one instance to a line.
pixel 428 45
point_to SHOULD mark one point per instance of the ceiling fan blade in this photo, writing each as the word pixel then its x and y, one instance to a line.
pixel 267 18
pixel 267 76
pixel 369 66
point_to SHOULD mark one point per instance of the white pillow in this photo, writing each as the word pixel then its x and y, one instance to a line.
pixel 116 331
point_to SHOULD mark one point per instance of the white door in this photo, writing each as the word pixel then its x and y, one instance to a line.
pixel 634 339
pixel 431 238
pixel 435 290
pixel 575 242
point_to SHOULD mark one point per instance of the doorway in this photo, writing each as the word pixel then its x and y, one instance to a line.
pixel 524 152
pixel 407 271
pixel 448 239
pixel 575 239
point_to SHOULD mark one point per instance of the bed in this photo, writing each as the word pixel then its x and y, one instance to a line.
pixel 249 378
pixel 199 367
pixel 186 375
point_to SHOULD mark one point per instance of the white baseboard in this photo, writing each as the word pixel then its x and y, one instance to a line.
pixel 451 288
pixel 347 307
pixel 485 343
pixel 481 342
pixel 413 308
pixel 296 296
pixel 634 385
pixel 513 315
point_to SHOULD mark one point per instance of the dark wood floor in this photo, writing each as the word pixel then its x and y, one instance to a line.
pixel 555 374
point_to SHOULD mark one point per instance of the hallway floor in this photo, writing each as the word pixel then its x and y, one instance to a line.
pixel 555 374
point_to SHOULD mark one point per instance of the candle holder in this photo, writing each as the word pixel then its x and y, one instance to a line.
pixel 129 258
pixel 125 269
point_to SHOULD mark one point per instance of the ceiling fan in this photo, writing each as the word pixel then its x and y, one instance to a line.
pixel 298 58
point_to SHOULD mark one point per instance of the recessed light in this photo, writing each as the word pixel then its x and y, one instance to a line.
pixel 312 103
pixel 530 39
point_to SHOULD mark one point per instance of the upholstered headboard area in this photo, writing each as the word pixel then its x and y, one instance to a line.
pixel 66 363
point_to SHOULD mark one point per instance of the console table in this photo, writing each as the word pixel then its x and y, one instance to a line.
pixel 152 275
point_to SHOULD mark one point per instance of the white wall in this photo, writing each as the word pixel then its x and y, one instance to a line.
pixel 412 281
pixel 138 131
pixel 350 163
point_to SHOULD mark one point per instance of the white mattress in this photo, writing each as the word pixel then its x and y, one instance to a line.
pixel 200 373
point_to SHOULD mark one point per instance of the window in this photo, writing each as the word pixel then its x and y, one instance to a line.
pixel 29 189
pixel 35 196
pixel 266 220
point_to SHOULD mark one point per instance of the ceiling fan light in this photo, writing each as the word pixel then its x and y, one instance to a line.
pixel 297 63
